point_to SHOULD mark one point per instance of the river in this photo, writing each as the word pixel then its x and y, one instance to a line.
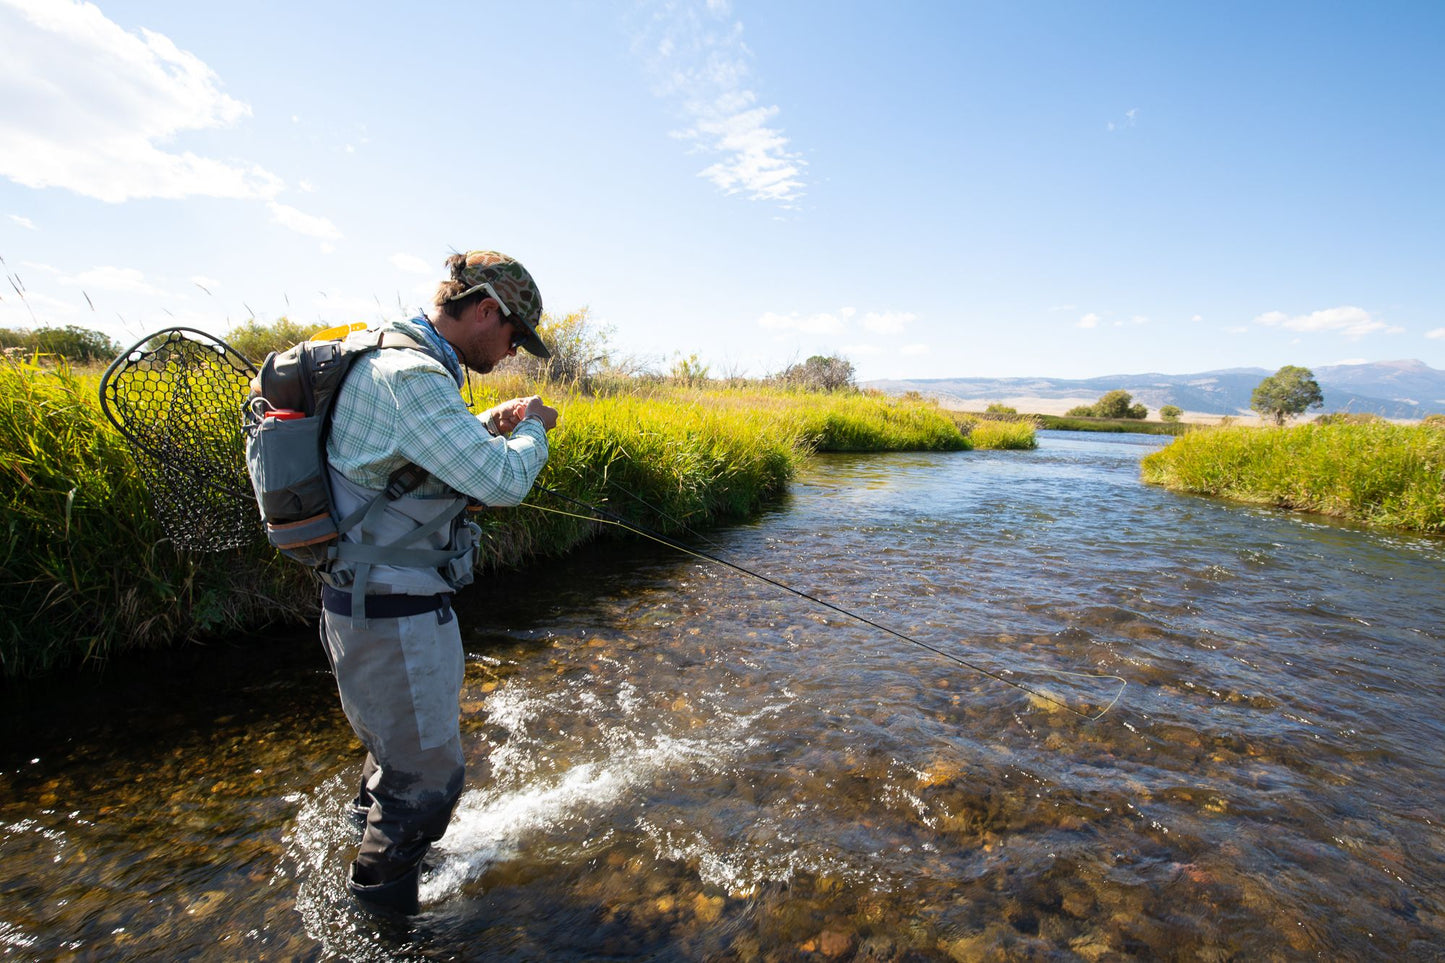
pixel 671 761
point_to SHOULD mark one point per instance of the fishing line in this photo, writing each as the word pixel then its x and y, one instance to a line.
pixel 603 515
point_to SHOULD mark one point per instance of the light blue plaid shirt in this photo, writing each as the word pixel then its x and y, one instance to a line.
pixel 400 406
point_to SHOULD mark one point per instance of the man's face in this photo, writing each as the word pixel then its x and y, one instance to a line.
pixel 488 336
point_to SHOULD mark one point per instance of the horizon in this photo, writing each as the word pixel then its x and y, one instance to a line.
pixel 953 192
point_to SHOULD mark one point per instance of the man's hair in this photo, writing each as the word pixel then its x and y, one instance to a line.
pixel 450 288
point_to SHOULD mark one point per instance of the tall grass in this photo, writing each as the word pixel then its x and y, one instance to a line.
pixel 1379 474
pixel 84 568
pixel 87 572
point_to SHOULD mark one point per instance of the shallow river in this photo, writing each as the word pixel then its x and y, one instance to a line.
pixel 689 764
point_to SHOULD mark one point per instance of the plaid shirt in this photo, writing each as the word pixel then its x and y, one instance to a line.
pixel 400 406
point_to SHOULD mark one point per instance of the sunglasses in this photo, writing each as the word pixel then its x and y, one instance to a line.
pixel 519 330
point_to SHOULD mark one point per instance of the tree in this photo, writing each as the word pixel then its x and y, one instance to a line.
pixel 820 373
pixel 998 408
pixel 255 340
pixel 1170 412
pixel 1289 391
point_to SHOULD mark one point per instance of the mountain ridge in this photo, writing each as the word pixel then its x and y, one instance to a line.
pixel 1406 388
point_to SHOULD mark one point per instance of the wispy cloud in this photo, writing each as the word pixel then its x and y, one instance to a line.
pixel 820 323
pixel 888 322
pixel 1090 320
pixel 1347 320
pixel 24 222
pixel 1131 117
pixel 309 224
pixel 697 58
pixel 95 109
pixel 109 278
pixel 1437 333
pixel 411 264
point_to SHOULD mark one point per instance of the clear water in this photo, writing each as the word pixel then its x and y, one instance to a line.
pixel 671 761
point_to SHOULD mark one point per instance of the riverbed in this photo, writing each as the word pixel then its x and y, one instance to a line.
pixel 669 760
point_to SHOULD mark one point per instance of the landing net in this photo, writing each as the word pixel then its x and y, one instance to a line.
pixel 177 399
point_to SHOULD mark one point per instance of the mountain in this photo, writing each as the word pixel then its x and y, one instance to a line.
pixel 1394 389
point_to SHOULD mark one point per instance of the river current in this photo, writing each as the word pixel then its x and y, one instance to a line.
pixel 672 761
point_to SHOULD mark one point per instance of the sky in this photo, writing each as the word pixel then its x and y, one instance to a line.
pixel 929 189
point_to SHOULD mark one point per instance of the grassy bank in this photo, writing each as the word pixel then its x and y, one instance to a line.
pixel 1129 425
pixel 1379 474
pixel 86 572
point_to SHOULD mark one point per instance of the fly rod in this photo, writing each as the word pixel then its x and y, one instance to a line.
pixel 597 513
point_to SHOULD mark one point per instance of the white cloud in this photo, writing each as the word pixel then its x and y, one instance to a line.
pixel 888 322
pixel 24 222
pixel 821 323
pixel 913 350
pixel 1197 317
pixel 107 278
pixel 1090 320
pixel 1437 333
pixel 1352 322
pixel 860 350
pixel 205 283
pixel 697 58
pixel 87 104
pixel 1131 117
pixel 411 264
pixel 309 224
pixel 305 187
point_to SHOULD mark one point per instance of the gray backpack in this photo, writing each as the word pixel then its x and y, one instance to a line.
pixel 288 421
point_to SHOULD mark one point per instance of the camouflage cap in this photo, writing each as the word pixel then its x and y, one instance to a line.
pixel 514 288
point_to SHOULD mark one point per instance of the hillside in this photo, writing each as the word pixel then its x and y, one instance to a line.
pixel 1393 389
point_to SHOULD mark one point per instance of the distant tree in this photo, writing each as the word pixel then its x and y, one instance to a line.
pixel 1001 409
pixel 1080 411
pixel 1171 412
pixel 1118 404
pixel 255 340
pixel 820 373
pixel 1137 411
pixel 1289 391
pixel 73 343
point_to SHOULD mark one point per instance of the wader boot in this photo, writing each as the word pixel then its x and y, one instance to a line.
pixel 397 895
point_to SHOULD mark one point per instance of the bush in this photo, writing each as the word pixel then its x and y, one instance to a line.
pixel 1170 413
pixel 998 409
pixel 255 340
pixel 819 373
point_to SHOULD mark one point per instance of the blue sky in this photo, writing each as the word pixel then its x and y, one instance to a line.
pixel 931 189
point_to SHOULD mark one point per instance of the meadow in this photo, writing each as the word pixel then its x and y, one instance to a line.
pixel 87 572
pixel 1375 473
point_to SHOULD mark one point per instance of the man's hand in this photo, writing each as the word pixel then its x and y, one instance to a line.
pixel 509 414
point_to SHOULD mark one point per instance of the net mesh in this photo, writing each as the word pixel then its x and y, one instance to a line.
pixel 177 398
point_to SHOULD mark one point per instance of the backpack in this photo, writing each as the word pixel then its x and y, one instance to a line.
pixel 288 421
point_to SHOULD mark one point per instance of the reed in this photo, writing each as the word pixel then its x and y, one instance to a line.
pixel 86 572
pixel 1380 474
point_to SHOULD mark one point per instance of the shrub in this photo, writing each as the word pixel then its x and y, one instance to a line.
pixel 1171 413
pixel 255 340
pixel 819 373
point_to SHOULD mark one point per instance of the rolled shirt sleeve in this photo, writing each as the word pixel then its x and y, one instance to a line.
pixel 455 446
pixel 400 406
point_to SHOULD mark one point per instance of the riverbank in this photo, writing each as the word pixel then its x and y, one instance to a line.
pixel 87 573
pixel 1380 474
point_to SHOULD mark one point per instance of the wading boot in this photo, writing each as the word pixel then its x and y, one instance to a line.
pixel 397 895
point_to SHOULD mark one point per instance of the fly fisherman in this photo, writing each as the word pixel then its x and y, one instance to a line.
pixel 399 664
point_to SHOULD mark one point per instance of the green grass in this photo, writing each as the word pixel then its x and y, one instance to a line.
pixel 1379 474
pixel 86 572
pixel 1127 425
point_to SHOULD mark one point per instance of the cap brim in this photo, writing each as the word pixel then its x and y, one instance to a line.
pixel 533 344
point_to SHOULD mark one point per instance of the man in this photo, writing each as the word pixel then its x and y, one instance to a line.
pixel 399 664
